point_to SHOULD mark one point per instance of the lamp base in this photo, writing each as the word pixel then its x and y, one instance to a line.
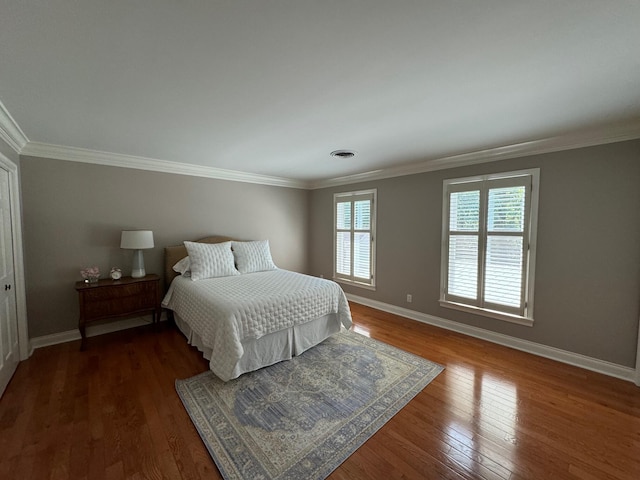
pixel 138 273
pixel 137 270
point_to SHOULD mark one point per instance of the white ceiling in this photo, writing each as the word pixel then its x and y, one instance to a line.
pixel 272 87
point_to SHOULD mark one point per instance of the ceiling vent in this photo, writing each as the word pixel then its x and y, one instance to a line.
pixel 343 153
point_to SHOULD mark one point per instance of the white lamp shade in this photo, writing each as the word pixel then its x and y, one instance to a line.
pixel 136 239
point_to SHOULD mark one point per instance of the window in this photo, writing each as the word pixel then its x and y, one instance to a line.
pixel 354 237
pixel 488 245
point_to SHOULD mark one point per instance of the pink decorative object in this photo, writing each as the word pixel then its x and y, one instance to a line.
pixel 90 274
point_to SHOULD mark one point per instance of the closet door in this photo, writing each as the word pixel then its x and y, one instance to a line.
pixel 9 353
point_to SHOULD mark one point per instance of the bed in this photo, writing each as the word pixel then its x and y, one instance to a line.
pixel 245 321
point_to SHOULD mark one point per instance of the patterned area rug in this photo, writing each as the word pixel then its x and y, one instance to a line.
pixel 303 417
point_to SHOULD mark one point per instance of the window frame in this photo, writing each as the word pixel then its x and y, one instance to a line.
pixel 530 178
pixel 352 197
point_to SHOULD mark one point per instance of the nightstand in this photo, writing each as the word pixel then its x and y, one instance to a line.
pixel 118 298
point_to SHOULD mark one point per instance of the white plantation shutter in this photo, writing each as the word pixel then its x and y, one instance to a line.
pixel 343 238
pixel 463 266
pixel 504 267
pixel 487 243
pixel 362 238
pixel 354 237
pixel 463 243
pixel 343 253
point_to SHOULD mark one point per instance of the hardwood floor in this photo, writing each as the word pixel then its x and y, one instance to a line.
pixel 111 412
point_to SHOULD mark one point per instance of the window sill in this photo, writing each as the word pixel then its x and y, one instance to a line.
pixel 488 313
pixel 355 284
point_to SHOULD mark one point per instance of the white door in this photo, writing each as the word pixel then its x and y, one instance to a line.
pixel 9 353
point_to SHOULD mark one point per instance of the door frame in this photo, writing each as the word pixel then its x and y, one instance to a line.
pixel 637 379
pixel 18 255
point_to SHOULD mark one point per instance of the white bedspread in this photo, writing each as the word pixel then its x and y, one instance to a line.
pixel 224 311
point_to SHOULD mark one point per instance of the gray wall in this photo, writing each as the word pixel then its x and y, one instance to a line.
pixel 74 213
pixel 587 290
pixel 588 266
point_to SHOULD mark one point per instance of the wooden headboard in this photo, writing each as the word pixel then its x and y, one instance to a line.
pixel 173 255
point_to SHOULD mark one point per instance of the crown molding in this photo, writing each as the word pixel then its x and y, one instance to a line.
pixel 618 133
pixel 13 135
pixel 10 131
pixel 82 155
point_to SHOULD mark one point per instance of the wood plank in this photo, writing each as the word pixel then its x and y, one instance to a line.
pixel 112 413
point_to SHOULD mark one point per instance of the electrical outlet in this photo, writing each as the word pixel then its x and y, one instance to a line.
pixel 321 276
pixel 409 298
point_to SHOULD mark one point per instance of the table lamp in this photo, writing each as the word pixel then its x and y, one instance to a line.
pixel 137 240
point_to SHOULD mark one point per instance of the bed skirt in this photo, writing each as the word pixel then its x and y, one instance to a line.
pixel 273 347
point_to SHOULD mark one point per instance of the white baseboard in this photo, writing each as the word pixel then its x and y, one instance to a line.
pixel 92 331
pixel 576 359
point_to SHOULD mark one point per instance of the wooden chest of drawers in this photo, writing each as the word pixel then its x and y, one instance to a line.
pixel 118 298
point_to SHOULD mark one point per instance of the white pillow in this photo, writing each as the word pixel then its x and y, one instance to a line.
pixel 253 256
pixel 209 260
pixel 183 267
